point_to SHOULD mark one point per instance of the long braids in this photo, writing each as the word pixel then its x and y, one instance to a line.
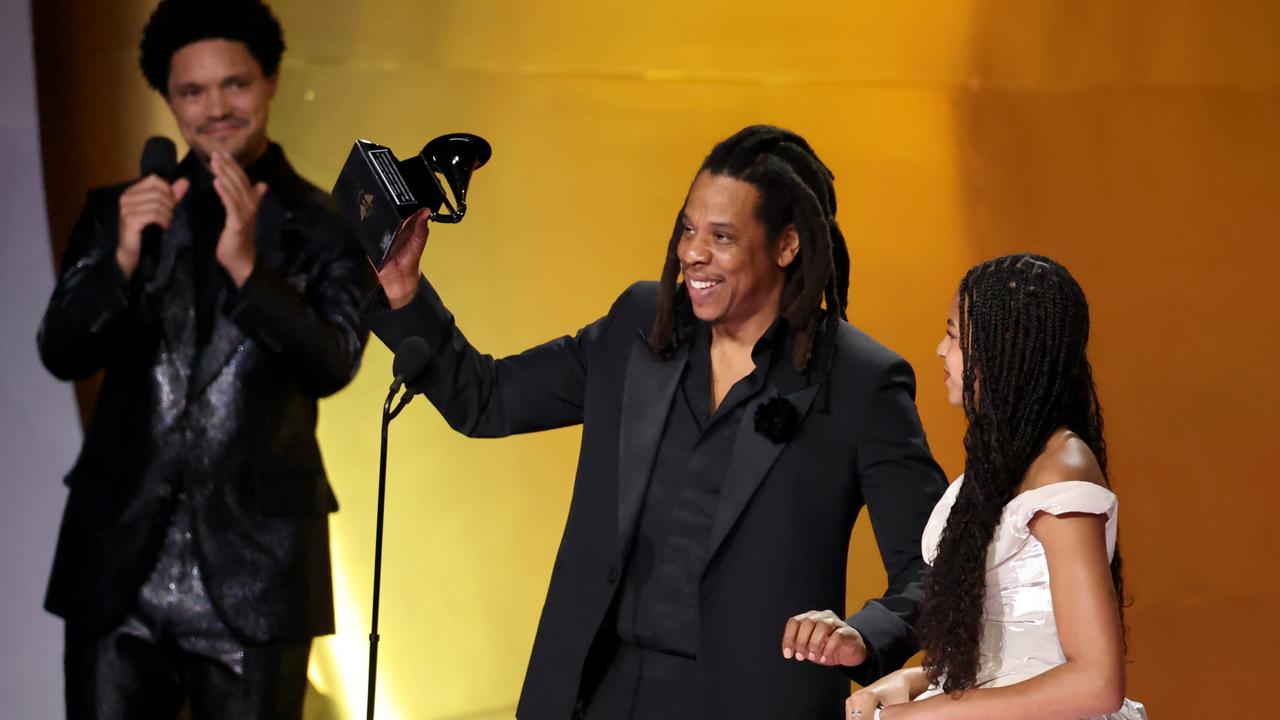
pixel 795 188
pixel 1024 326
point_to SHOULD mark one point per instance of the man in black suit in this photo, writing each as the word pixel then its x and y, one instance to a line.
pixel 193 560
pixel 733 427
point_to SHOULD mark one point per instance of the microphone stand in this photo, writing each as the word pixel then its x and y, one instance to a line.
pixel 387 416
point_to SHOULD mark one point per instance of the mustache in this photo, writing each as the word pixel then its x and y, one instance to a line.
pixel 233 120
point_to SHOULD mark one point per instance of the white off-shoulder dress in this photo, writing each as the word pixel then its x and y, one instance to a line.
pixel 1019 633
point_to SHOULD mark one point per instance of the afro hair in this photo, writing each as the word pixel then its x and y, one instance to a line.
pixel 177 23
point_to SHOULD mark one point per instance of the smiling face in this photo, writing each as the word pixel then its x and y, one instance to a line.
pixel 220 98
pixel 952 355
pixel 733 272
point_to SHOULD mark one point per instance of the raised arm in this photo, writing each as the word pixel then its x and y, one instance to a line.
pixel 95 298
pixel 478 395
pixel 317 330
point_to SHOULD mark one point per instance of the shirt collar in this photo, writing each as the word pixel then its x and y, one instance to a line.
pixel 769 350
pixel 266 168
pixel 774 343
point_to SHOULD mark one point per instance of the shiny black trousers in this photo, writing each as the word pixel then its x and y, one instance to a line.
pixel 118 677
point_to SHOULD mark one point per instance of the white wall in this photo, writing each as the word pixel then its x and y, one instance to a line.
pixel 39 428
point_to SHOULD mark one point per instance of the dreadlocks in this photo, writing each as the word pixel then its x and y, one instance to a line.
pixel 1024 324
pixel 795 188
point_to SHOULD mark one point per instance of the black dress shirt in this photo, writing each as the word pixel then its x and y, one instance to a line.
pixel 657 606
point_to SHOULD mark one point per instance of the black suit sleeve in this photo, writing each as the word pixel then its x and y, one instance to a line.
pixel 479 396
pixel 900 483
pixel 317 330
pixel 91 301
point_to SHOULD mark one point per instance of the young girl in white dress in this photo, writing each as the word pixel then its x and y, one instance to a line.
pixel 1022 611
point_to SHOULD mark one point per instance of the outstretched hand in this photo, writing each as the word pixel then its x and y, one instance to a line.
pixel 399 274
pixel 824 638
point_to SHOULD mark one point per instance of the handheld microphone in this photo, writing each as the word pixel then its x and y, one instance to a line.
pixel 159 157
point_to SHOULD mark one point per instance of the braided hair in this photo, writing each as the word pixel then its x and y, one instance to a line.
pixel 1024 324
pixel 795 188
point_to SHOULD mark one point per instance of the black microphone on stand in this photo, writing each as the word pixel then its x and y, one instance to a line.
pixel 410 366
pixel 159 157
pixel 410 363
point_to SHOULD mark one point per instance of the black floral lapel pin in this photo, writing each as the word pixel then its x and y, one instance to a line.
pixel 777 419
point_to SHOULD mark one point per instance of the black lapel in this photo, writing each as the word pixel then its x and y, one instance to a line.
pixel 753 456
pixel 649 388
pixel 171 295
pixel 224 339
pixel 227 337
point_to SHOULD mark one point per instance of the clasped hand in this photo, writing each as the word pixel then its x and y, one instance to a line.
pixel 822 637
pixel 895 688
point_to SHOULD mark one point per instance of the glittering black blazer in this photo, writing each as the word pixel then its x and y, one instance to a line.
pixel 780 539
pixel 229 421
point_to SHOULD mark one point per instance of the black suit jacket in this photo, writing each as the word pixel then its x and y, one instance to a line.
pixel 230 423
pixel 780 540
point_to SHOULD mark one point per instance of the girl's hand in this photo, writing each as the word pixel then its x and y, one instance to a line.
pixel 892 689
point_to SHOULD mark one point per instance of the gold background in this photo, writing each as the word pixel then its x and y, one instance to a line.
pixel 1136 141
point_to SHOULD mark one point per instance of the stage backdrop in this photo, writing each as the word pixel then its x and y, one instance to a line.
pixel 1134 141
pixel 39 436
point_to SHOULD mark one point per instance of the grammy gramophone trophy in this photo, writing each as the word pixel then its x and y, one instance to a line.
pixel 376 192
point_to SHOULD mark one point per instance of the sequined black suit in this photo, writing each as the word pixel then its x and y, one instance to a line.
pixel 228 421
